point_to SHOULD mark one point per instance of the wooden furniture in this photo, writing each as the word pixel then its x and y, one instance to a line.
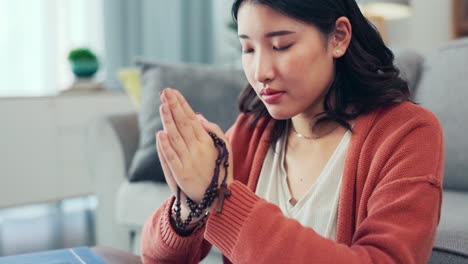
pixel 42 145
pixel 380 24
pixel 460 18
pixel 114 256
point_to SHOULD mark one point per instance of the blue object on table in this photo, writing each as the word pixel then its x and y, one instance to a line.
pixel 78 255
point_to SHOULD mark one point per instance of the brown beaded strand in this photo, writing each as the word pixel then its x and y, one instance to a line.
pixel 223 191
pixel 211 192
pixel 197 210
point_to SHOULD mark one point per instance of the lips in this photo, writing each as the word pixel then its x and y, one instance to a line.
pixel 271 96
pixel 269 91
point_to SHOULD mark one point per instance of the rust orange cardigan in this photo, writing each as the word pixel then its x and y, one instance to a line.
pixel 388 211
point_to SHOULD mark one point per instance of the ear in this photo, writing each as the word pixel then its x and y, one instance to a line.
pixel 341 37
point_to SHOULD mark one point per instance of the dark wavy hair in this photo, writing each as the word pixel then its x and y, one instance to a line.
pixel 365 78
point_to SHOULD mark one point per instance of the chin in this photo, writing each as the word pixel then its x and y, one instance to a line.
pixel 279 115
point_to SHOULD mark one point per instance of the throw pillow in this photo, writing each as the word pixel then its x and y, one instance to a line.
pixel 130 79
pixel 210 90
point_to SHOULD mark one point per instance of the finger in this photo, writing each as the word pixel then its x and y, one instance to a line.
pixel 174 168
pixel 200 132
pixel 182 121
pixel 211 127
pixel 172 158
pixel 170 128
pixel 167 172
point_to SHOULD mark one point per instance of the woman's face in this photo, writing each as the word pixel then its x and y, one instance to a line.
pixel 289 63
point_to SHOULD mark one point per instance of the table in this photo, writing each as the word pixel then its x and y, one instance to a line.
pixel 114 256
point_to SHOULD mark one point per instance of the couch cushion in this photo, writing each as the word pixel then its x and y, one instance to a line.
pixel 443 89
pixel 409 63
pixel 452 233
pixel 211 90
pixel 443 257
pixel 137 201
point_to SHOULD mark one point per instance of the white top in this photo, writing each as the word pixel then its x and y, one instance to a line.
pixel 318 208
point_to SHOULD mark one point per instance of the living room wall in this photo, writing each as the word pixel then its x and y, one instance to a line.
pixel 428 26
pixel 431 24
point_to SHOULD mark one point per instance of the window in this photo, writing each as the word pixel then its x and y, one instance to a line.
pixel 35 38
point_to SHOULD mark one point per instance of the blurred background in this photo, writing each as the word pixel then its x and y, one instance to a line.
pixel 64 62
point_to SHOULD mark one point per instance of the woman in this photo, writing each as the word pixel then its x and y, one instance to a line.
pixel 329 160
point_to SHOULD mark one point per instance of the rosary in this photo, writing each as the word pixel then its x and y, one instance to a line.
pixel 211 192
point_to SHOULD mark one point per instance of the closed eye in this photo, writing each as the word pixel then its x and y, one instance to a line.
pixel 274 48
pixel 282 48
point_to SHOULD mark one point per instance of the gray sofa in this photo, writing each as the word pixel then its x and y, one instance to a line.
pixel 439 82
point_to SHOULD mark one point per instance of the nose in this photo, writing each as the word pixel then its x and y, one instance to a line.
pixel 264 68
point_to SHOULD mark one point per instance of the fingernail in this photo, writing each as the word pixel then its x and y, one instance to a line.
pixel 198 113
pixel 162 94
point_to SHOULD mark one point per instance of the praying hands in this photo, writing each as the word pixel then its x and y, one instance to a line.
pixel 186 150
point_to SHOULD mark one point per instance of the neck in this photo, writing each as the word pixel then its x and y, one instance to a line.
pixel 303 122
pixel 302 127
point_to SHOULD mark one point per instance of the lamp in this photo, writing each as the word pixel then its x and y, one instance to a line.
pixel 380 12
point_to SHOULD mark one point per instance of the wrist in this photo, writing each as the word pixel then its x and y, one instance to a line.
pixel 229 181
pixel 196 223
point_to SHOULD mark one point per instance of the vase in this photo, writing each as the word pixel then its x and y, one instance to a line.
pixel 84 68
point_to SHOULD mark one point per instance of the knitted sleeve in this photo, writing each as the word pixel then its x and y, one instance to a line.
pixel 161 244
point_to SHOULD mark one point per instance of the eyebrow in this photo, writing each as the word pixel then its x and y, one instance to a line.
pixel 271 34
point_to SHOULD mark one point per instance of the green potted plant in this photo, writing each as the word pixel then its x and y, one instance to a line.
pixel 83 62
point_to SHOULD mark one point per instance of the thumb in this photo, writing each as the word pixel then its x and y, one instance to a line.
pixel 201 117
pixel 210 127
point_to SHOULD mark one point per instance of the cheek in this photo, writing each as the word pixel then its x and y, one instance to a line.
pixel 294 67
pixel 249 72
pixel 306 69
pixel 246 67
